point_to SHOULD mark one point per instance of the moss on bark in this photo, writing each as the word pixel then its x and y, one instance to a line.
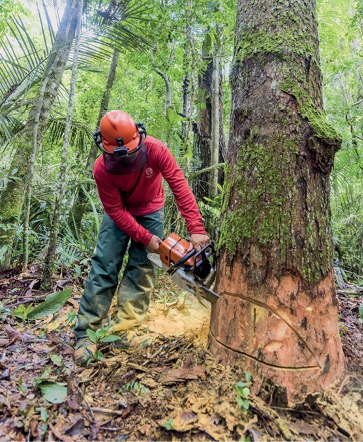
pixel 281 151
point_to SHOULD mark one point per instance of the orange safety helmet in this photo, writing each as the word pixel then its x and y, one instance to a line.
pixel 119 130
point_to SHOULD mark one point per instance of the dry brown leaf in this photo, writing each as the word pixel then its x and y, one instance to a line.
pixel 60 436
pixel 181 374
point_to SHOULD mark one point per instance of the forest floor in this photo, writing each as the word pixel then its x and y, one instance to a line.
pixel 174 390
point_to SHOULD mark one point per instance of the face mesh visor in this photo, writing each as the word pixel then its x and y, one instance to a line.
pixel 126 164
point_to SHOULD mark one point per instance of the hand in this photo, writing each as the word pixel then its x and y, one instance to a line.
pixel 154 244
pixel 198 241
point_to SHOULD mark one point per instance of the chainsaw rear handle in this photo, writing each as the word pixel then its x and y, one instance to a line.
pixel 195 254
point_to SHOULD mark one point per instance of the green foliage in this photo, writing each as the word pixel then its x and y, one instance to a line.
pixel 21 387
pixel 43 414
pixel 169 424
pixel 360 319
pixel 243 391
pixel 341 40
pixel 94 357
pixel 53 392
pixel 72 318
pixel 52 304
pixel 136 387
pixel 22 312
pixel 101 335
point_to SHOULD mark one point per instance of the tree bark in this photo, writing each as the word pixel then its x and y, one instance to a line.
pixel 12 197
pixel 187 64
pixel 203 131
pixel 278 309
pixel 50 257
pixel 202 128
pixel 215 122
pixel 80 204
pixel 215 119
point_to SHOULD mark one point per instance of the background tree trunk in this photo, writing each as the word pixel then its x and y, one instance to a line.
pixel 53 234
pixel 80 204
pixel 215 122
pixel 12 197
pixel 188 46
pixel 202 131
pixel 164 76
pixel 278 311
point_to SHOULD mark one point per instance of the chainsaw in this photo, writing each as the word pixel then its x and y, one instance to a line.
pixel 192 271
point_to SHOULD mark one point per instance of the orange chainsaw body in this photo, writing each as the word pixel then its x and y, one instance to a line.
pixel 172 249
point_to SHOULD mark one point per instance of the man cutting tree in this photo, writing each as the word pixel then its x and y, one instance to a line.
pixel 129 181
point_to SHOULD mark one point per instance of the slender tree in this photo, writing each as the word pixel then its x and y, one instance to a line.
pixel 278 309
pixel 12 196
pixel 164 74
pixel 188 47
pixel 80 204
pixel 49 259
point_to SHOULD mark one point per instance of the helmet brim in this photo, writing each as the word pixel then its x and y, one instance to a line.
pixel 132 145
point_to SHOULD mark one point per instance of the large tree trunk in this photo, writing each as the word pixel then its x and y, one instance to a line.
pixel 53 235
pixel 278 311
pixel 80 204
pixel 12 197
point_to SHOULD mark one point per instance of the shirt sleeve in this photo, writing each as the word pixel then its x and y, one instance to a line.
pixel 184 196
pixel 111 200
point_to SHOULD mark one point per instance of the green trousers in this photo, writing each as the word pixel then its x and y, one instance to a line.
pixel 133 296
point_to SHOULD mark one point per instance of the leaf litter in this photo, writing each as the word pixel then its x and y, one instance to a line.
pixel 174 390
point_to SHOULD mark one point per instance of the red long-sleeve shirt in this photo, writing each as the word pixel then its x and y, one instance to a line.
pixel 148 195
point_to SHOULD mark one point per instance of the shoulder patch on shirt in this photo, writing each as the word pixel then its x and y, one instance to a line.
pixel 149 172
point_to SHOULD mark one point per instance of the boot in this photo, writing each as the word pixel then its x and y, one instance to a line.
pixel 80 355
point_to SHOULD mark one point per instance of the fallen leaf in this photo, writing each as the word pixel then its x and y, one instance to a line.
pixel 5 374
pixel 182 421
pixel 60 436
pixel 4 400
pixel 145 429
pixel 53 392
pixel 77 427
pixel 33 424
pixel 149 382
pixel 20 438
pixel 181 374
pixel 51 305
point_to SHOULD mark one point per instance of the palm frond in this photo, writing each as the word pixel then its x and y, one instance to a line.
pixel 22 63
pixel 81 134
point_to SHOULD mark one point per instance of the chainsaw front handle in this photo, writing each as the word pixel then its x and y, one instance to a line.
pixel 205 255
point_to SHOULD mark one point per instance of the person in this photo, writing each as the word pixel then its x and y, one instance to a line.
pixel 129 175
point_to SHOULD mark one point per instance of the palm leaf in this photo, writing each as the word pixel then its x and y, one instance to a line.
pixel 81 134
pixel 22 63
